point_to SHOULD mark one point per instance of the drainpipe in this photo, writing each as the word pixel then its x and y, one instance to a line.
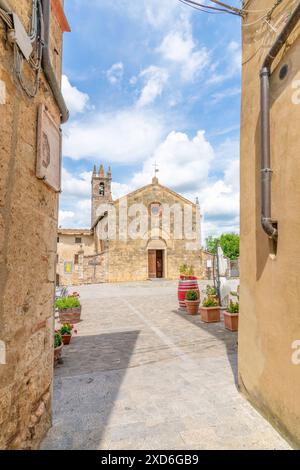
pixel 47 65
pixel 269 225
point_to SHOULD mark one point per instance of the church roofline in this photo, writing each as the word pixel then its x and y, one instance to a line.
pixel 161 186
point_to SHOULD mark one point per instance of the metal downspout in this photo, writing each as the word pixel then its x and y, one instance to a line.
pixel 269 225
pixel 47 64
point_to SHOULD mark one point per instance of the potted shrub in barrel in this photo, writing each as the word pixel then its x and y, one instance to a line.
pixel 69 309
pixel 231 316
pixel 66 332
pixel 58 346
pixel 192 302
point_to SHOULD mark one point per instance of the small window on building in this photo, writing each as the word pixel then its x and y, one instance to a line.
pixel 78 240
pixel 156 209
pixel 76 259
pixel 57 239
pixel 101 189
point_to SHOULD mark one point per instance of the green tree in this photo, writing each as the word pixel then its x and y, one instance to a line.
pixel 229 242
pixel 211 244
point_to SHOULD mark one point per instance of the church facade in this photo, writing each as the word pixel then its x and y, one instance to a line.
pixel 147 234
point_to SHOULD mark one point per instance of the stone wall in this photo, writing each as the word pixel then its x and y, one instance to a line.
pixel 28 228
pixel 269 372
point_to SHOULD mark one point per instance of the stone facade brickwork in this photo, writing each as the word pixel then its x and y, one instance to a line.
pixel 28 230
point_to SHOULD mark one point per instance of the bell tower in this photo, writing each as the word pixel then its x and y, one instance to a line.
pixel 101 190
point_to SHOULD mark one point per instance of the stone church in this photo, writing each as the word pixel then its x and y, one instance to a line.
pixel 147 234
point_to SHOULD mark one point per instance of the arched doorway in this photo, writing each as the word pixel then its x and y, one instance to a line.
pixel 157 254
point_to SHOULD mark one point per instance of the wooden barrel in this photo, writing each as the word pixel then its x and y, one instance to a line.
pixel 185 285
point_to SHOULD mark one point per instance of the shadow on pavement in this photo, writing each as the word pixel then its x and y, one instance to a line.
pixel 86 388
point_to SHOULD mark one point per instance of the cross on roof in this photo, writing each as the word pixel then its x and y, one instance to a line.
pixel 156 169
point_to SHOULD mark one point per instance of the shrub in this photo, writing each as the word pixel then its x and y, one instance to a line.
pixel 57 340
pixel 67 302
pixel 211 301
pixel 192 295
pixel 186 270
pixel 210 290
pixel 233 307
pixel 66 329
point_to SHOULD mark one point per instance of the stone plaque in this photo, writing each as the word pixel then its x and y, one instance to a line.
pixel 48 166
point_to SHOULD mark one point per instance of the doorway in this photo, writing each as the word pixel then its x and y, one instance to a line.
pixel 156 264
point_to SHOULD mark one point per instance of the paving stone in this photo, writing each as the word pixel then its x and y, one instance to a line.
pixel 142 375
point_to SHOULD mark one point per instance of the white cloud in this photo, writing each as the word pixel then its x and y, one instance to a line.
pixel 123 136
pixel 76 186
pixel 115 73
pixel 179 47
pixel 156 78
pixel 76 101
pixel 183 162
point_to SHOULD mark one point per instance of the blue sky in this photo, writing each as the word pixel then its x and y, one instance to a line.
pixel 146 81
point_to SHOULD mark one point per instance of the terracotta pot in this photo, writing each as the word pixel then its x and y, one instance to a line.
pixel 57 353
pixel 66 339
pixel 70 315
pixel 231 321
pixel 210 314
pixel 192 306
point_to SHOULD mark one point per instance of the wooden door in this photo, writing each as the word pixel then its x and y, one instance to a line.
pixel 159 264
pixel 152 264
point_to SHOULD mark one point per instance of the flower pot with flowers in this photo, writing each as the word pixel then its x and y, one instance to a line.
pixel 69 309
pixel 58 346
pixel 66 332
pixel 231 316
pixel 192 302
pixel 210 310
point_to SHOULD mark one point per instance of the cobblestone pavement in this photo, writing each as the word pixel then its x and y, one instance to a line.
pixel 142 375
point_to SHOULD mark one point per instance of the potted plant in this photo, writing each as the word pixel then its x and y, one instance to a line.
pixel 231 316
pixel 66 332
pixel 58 346
pixel 192 302
pixel 210 310
pixel 187 281
pixel 69 309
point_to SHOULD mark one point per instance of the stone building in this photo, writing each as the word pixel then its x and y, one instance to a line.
pixel 269 332
pixel 31 111
pixel 147 234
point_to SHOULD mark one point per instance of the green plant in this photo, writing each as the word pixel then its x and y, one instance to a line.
pixel 57 340
pixel 229 242
pixel 67 302
pixel 233 307
pixel 186 270
pixel 192 295
pixel 210 290
pixel 66 329
pixel 210 301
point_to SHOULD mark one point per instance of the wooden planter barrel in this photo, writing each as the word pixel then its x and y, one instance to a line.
pixel 70 315
pixel 184 285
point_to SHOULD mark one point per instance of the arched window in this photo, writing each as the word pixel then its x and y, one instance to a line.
pixel 155 209
pixel 101 189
